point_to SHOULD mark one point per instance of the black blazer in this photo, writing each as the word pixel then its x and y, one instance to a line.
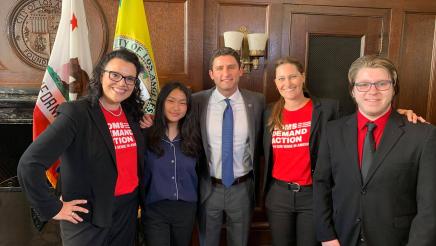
pixel 81 138
pixel 323 110
pixel 254 106
pixel 396 204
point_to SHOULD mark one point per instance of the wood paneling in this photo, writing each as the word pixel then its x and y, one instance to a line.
pixel 302 21
pixel 230 16
pixel 176 32
pixel 168 35
pixel 417 64
pixel 329 72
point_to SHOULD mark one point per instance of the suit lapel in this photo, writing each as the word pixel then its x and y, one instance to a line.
pixel 102 127
pixel 249 108
pixel 315 120
pixel 391 134
pixel 350 141
pixel 202 108
pixel 139 140
pixel 267 134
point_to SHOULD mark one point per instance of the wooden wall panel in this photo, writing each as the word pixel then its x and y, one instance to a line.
pixel 176 32
pixel 303 20
pixel 417 65
pixel 167 25
pixel 230 16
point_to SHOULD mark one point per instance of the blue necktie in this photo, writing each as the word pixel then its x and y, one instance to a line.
pixel 227 146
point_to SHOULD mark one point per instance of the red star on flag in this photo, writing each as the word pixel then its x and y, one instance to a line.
pixel 73 22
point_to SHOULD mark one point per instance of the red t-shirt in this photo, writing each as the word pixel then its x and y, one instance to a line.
pixel 125 152
pixel 377 132
pixel 291 154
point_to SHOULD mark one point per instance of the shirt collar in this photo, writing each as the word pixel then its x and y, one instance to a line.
pixel 362 120
pixel 218 97
pixel 166 139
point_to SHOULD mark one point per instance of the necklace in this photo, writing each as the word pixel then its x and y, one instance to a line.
pixel 110 111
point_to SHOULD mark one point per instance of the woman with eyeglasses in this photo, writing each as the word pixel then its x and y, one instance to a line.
pixel 291 137
pixel 100 146
pixel 171 157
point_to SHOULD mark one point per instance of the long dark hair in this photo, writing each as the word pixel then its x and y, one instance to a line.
pixel 188 129
pixel 133 105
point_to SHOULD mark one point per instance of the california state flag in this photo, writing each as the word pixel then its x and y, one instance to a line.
pixel 68 71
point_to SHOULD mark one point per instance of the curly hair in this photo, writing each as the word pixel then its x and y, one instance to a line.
pixel 190 135
pixel 133 105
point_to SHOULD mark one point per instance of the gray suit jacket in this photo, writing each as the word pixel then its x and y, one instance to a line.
pixel 254 105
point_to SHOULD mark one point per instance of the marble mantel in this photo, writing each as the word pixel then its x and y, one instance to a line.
pixel 16 105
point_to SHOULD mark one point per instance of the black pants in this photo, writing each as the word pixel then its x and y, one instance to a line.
pixel 290 216
pixel 122 231
pixel 169 223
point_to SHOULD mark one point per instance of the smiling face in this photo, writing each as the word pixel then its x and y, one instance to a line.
pixel 225 73
pixel 373 103
pixel 115 92
pixel 289 82
pixel 176 105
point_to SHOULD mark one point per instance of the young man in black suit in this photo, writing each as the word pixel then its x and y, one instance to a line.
pixel 375 178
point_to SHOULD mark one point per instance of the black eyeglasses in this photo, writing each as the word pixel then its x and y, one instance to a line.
pixel 116 77
pixel 381 85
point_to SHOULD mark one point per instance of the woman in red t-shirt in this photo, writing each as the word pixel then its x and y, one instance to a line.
pixel 100 146
pixel 291 137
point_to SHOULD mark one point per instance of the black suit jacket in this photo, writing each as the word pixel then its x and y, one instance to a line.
pixel 81 138
pixel 323 110
pixel 254 105
pixel 396 204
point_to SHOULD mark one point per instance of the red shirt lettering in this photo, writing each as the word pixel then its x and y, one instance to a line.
pixel 125 152
pixel 291 154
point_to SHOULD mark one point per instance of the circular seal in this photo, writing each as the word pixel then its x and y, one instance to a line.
pixel 32 30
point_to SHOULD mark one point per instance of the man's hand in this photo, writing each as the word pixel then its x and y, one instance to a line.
pixel 147 121
pixel 411 116
pixel 69 209
pixel 334 242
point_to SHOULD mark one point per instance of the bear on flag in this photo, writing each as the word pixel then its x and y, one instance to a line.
pixel 69 68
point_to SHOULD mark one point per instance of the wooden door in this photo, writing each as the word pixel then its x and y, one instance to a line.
pixel 328 39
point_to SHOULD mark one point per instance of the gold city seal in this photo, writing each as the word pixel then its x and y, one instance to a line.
pixel 32 30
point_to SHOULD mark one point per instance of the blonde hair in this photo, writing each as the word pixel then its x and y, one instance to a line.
pixel 373 61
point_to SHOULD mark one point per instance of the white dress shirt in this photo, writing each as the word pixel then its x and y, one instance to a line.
pixel 241 157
